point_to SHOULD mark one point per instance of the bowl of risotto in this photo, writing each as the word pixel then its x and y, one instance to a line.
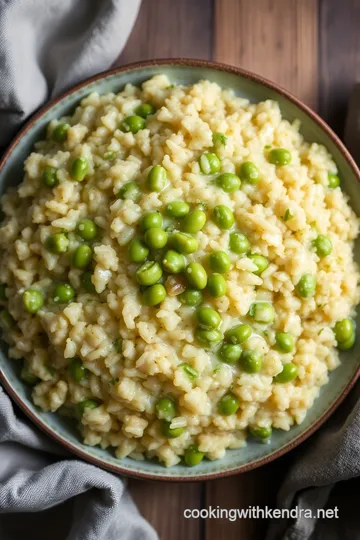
pixel 178 270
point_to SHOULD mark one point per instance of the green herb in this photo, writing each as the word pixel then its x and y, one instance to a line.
pixel 109 156
pixel 114 380
pixel 321 330
pixel 267 146
pixel 202 205
pixel 219 138
pixel 118 345
pixel 288 214
pixel 191 372
pixel 170 87
pixel 217 368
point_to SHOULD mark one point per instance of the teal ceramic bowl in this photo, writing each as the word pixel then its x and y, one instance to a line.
pixel 314 129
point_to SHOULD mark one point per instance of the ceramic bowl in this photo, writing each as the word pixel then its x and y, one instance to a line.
pixel 313 128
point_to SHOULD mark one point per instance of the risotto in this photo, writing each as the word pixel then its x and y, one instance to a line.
pixel 177 271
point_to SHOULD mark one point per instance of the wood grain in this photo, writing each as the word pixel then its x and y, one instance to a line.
pixel 165 29
pixel 339 58
pixel 163 505
pixel 275 38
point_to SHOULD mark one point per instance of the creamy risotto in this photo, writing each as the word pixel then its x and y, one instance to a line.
pixel 177 271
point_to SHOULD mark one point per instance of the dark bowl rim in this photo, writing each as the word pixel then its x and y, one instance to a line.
pixel 196 63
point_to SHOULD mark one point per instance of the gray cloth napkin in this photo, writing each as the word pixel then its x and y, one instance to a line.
pixel 324 471
pixel 45 47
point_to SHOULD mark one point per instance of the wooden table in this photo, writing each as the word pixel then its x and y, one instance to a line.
pixel 310 47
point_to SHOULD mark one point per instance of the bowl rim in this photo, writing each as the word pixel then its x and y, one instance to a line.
pixel 217 66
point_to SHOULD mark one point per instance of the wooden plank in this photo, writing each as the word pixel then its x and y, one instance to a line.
pixel 339 57
pixel 275 38
pixel 163 505
pixel 167 29
pixel 254 488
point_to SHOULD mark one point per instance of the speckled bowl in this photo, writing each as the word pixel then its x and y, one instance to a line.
pixel 314 129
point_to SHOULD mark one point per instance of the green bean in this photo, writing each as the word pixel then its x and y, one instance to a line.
pixel 249 172
pixel 173 262
pixel 82 256
pixel 79 169
pixel 251 361
pixel 137 251
pixel 156 238
pixel 279 156
pixel 166 409
pixel 184 243
pixel 260 262
pixel 153 219
pixel 333 180
pixel 289 373
pixel 228 182
pixel 171 433
pixel 133 123
pixel 260 432
pixel 77 370
pixel 262 312
pixel 208 317
pixel 130 191
pixel 220 262
pixel 306 286
pixel 149 273
pixel 177 209
pixel 223 217
pixel 208 338
pixel 209 163
pixel 285 342
pixel 154 295
pixel 238 334
pixel 344 329
pixel 194 222
pixel 49 177
pixel 60 132
pixel 239 243
pixel 156 178
pixel 230 353
pixel 228 405
pixel 193 456
pixel 144 110
pixel 191 297
pixel 216 285
pixel 86 229
pixel 196 275
pixel 323 245
pixel 57 243
pixel 63 293
pixel 33 300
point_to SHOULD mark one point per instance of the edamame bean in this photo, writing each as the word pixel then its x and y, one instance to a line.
pixel 28 377
pixel 279 157
pixel 344 329
pixel 154 295
pixel 228 405
pixel 230 353
pixel 262 312
pixel 220 262
pixel 260 432
pixel 60 132
pixel 79 169
pixel 133 123
pixel 77 370
pixel 208 338
pixel 194 222
pixel 153 219
pixel 191 297
pixel 3 288
pixel 289 373
pixel 156 238
pixel 63 293
pixel 191 372
pixel 238 334
pixel 208 317
pixel 196 275
pixel 251 361
pixel 306 286
pixel 347 344
pixel 260 262
pixel 87 283
pixel 33 300
pixel 216 285
pixel 177 209
pixel 130 191
pixel 82 256
pixel 285 341
pixel 323 245
pixel 57 243
pixel 184 243
pixel 333 180
pixel 193 456
pixel 239 243
pixel 86 229
pixel 137 251
pixel 228 182
pixel 156 179
pixel 223 217
pixel 249 172
pixel 144 110
pixel 166 409
pixel 173 262
pixel 149 273
pixel 209 163
pixel 86 404
pixel 171 433
pixel 49 177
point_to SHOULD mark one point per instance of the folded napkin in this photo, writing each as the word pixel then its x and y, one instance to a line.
pixel 324 471
pixel 45 47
